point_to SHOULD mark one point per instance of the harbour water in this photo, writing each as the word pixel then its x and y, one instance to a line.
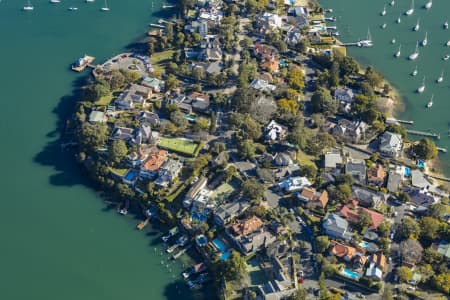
pixel 58 241
pixel 355 17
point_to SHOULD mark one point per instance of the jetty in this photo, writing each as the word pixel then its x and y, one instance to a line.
pixel 142 224
pixel 182 251
pixel 82 63
pixel 394 120
pixel 162 21
pixel 424 133
pixel 172 248
pixel 168 6
pixel 157 25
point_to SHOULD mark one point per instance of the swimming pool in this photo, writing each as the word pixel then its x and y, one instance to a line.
pixel 421 164
pixel 350 274
pixel 364 244
pixel 225 255
pixel 131 175
pixel 407 171
pixel 219 245
pixel 191 117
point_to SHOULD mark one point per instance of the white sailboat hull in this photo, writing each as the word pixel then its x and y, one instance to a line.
pixel 414 56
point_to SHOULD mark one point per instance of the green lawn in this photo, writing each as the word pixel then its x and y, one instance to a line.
pixel 159 59
pixel 224 190
pixel 119 172
pixel 104 101
pixel 183 146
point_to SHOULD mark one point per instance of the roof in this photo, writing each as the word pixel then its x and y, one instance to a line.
pixel 390 142
pixel 420 197
pixel 418 179
pixel 443 248
pixel 341 250
pixel 376 173
pixel 152 82
pixel 356 166
pixel 247 226
pixel 96 116
pixel 172 166
pixel 394 181
pixel 352 213
pixel 335 223
pixel 199 96
pixel 332 160
pixel 155 161
pixel 380 260
pixel 308 193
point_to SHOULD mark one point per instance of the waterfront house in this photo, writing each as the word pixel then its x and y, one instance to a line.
pixel 350 131
pixel 228 211
pixel 376 175
pixel 194 190
pixel 368 198
pixel 293 36
pixel 168 172
pixel 130 177
pixel 293 184
pixel 122 133
pixel 352 213
pixel 344 95
pixel 156 85
pixel 275 131
pixel 134 94
pixel 313 199
pixel 422 198
pixel 151 167
pixel 390 144
pixel 146 117
pixel 357 169
pixel 269 22
pixel 336 227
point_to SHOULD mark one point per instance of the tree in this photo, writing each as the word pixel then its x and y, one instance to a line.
pixel 299 295
pixel 288 105
pixel 198 74
pixel 167 127
pixel 364 219
pixel 179 119
pixel 404 274
pixel 171 82
pixel 201 124
pixel 117 80
pixel 235 266
pixel 230 172
pixel 374 78
pixel 397 128
pixel 384 228
pixel 253 190
pixel 430 228
pixel 387 293
pixel 425 149
pixel 438 210
pixel 92 136
pixel 408 227
pixel 118 151
pixel 96 91
pixel 322 101
pixel 322 243
pixel 442 282
pixel 218 147
pixel 296 79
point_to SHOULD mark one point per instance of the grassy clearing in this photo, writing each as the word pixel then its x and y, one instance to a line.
pixel 119 172
pixel 159 59
pixel 305 159
pixel 104 101
pixel 183 146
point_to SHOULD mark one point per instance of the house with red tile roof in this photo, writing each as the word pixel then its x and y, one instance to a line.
pixel 151 167
pixel 350 254
pixel 351 212
pixel 313 198
pixel 376 175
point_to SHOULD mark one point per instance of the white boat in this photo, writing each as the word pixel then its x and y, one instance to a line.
pixel 28 7
pixel 430 103
pixel 429 4
pixel 410 11
pixel 414 73
pixel 398 53
pixel 399 20
pixel 415 54
pixel 73 8
pixel 446 57
pixel 445 25
pixel 90 1
pixel 105 8
pixel 425 40
pixel 55 1
pixel 367 42
pixel 448 43
pixel 440 78
pixel 383 12
pixel 421 88
pixel 123 211
pixel 384 26
pixel 392 3
pixel 393 41
pixel 417 27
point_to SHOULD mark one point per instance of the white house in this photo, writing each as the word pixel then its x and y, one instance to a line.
pixel 294 184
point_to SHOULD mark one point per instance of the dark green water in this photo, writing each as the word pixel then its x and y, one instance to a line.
pixel 57 239
pixel 354 17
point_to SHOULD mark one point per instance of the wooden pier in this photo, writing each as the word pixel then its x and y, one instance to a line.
pixel 142 224
pixel 87 61
pixel 176 255
pixel 424 133
pixel 157 25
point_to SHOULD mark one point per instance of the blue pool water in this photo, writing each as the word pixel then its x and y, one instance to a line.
pixel 219 245
pixel 130 175
pixel 421 164
pixel 191 117
pixel 350 274
pixel 407 172
pixel 225 255
pixel 364 244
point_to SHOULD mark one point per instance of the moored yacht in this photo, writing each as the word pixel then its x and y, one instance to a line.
pixel 383 12
pixel 440 78
pixel 398 53
pixel 415 54
pixel 414 73
pixel 410 11
pixel 421 88
pixel 446 57
pixel 392 3
pixel 55 1
pixel 417 27
pixel 72 8
pixel 367 42
pixel 399 20
pixel 28 7
pixel 429 4
pixel 448 43
pixel 425 40
pixel 445 25
pixel 393 41
pixel 430 103
pixel 105 8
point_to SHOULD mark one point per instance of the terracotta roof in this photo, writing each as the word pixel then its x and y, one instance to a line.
pixel 380 260
pixel 247 226
pixel 351 212
pixel 308 193
pixel 323 198
pixel 271 65
pixel 377 173
pixel 196 95
pixel 341 250
pixel 155 161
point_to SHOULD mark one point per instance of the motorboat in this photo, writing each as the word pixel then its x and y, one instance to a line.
pixel 417 27
pixel 445 25
pixel 28 7
pixel 440 78
pixel 414 73
pixel 448 43
pixel 398 53
pixel 73 8
pixel 392 3
pixel 425 40
pixel 429 4
pixel 383 12
pixel 90 1
pixel 393 41
pixel 430 103
pixel 446 57
pixel 55 1
pixel 410 11
pixel 123 211
pixel 105 7
pixel 421 88
pixel 415 54
pixel 399 20
pixel 384 26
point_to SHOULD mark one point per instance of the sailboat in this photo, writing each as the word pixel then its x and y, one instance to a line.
pixel 392 3
pixel 448 43
pixel 367 42
pixel 399 20
pixel 440 78
pixel 90 1
pixel 415 54
pixel 383 12
pixel 384 26
pixel 414 73
pixel 445 25
pixel 397 54
pixel 430 103
pixel 421 88
pixel 429 4
pixel 417 27
pixel 28 7
pixel 105 8
pixel 425 40
pixel 393 41
pixel 411 10
pixel 55 1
